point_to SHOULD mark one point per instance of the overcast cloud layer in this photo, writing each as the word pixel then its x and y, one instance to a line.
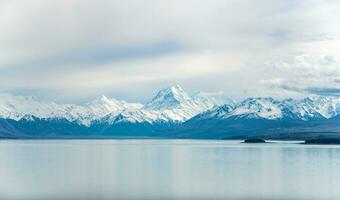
pixel 76 50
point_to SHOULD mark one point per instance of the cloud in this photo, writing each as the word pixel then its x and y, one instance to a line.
pixel 37 29
pixel 308 66
pixel 74 49
pixel 305 74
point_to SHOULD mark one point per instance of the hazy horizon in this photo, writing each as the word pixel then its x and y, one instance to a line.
pixel 213 94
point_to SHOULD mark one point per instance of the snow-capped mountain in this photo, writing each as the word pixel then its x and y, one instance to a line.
pixel 268 108
pixel 171 104
pixel 170 98
pixel 315 107
pixel 269 118
pixel 171 113
pixel 101 107
pixel 18 107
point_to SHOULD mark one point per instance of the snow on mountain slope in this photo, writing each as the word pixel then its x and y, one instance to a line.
pixel 266 108
pixel 103 106
pixel 302 109
pixel 219 112
pixel 316 107
pixel 170 98
pixel 18 107
pixel 137 116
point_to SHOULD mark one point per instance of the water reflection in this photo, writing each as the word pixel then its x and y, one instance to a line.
pixel 167 169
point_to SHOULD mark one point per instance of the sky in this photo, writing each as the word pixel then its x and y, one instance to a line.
pixel 76 50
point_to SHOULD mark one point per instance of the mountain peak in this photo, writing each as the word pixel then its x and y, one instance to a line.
pixel 175 87
pixel 169 97
pixel 176 91
pixel 104 98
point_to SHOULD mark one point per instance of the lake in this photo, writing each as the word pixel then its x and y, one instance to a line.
pixel 167 169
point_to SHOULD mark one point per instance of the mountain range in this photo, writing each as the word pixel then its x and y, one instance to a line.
pixel 171 113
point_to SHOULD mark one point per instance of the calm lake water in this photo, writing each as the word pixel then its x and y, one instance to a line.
pixel 167 169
